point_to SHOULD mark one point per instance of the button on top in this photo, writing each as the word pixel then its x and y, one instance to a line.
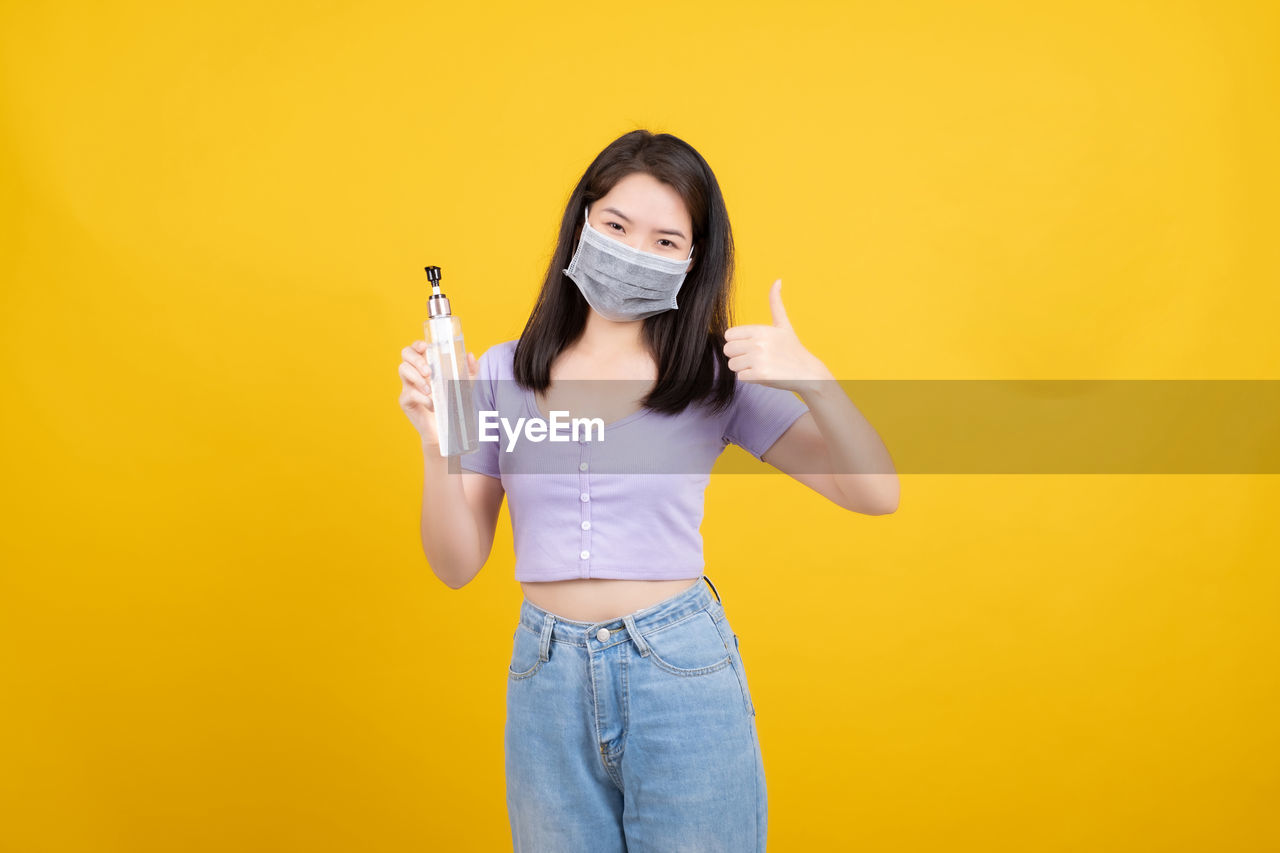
pixel 585 554
pixel 585 497
pixel 586 525
pixel 582 466
pixel 602 634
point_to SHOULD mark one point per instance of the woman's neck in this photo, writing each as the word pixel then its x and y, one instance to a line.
pixel 609 341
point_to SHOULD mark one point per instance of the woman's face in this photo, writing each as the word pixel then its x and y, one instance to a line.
pixel 646 214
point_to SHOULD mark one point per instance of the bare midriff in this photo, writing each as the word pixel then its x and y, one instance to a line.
pixel 599 599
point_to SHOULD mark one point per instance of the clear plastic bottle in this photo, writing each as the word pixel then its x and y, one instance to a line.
pixel 451 389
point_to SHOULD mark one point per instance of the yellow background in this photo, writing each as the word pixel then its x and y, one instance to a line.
pixel 217 629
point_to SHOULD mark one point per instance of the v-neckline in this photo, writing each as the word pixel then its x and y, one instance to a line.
pixel 531 403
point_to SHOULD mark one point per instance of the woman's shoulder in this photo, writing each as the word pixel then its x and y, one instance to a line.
pixel 506 348
pixel 497 360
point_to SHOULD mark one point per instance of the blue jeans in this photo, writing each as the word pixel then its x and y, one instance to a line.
pixel 633 734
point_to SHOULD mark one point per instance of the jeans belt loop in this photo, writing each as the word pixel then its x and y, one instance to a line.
pixel 634 633
pixel 544 644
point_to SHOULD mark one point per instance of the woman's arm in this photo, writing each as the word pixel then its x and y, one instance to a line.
pixel 832 448
pixel 459 518
pixel 834 436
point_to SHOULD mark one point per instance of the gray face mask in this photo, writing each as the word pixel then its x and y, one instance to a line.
pixel 623 283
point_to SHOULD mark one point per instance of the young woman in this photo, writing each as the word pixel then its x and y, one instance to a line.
pixel 630 724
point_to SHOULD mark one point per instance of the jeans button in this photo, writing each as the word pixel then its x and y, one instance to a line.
pixel 602 634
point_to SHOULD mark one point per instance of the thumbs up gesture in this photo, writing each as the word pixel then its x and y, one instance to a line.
pixel 772 354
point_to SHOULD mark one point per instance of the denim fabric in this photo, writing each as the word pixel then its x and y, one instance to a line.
pixel 641 737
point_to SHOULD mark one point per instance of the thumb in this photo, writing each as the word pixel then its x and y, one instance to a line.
pixel 775 306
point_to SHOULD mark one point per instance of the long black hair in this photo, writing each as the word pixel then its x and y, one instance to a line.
pixel 687 343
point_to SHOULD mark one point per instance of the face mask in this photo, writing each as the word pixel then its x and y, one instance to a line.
pixel 623 283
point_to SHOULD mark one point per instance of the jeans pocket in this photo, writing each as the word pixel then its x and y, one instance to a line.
pixel 525 657
pixel 690 646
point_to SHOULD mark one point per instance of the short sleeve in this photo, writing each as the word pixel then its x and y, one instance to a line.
pixel 484 459
pixel 759 415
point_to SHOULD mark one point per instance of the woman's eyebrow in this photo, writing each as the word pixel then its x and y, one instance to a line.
pixel 623 216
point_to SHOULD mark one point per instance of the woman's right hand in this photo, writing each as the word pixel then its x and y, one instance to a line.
pixel 415 390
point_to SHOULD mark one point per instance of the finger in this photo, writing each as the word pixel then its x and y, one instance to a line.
pixel 412 356
pixel 415 397
pixel 411 399
pixel 775 306
pixel 734 333
pixel 473 365
pixel 738 347
pixel 739 364
pixel 412 378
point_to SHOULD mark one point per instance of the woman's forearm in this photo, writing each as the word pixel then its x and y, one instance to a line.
pixel 450 536
pixel 859 461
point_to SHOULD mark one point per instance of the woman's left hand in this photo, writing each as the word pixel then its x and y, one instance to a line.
pixel 773 355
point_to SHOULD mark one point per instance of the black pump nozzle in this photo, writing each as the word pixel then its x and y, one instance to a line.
pixel 437 303
pixel 433 275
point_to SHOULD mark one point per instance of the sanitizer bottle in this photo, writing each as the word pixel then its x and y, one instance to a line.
pixel 451 388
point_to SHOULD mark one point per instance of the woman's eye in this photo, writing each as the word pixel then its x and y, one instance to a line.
pixel 669 244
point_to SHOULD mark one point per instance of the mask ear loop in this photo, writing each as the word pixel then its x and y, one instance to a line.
pixel 586 221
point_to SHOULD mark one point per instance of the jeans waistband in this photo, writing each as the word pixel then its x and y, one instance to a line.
pixel 620 628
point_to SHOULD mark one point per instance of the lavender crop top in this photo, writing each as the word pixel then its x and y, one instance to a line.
pixel 629 506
